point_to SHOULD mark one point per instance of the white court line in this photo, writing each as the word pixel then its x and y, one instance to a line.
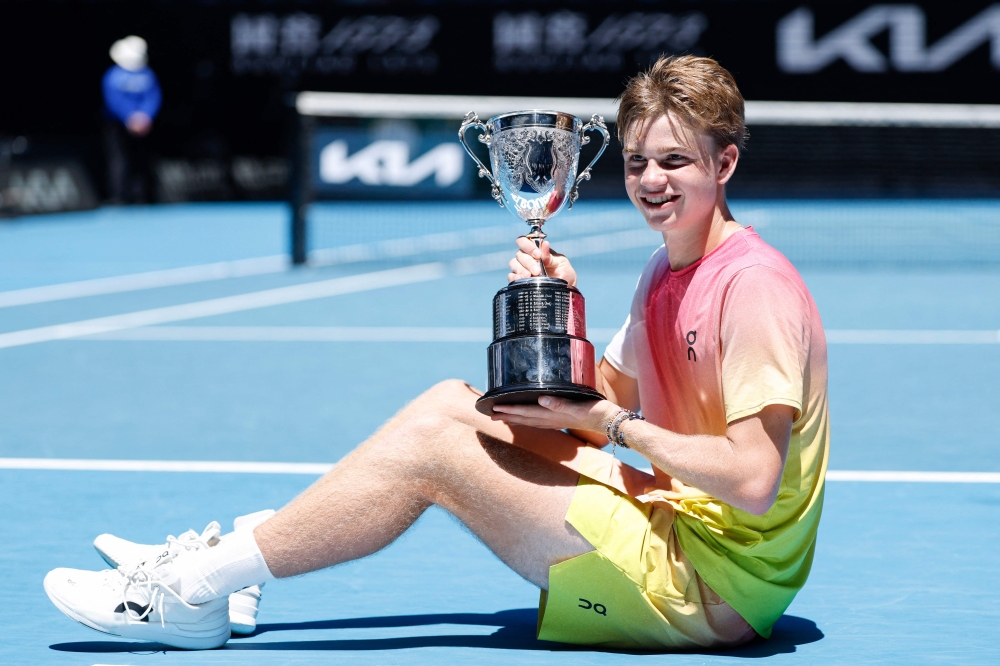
pixel 149 280
pixel 395 248
pixel 398 248
pixel 912 477
pixel 258 299
pixel 237 467
pixel 308 291
pixel 225 467
pixel 302 334
pixel 479 334
pixel 504 234
pixel 576 247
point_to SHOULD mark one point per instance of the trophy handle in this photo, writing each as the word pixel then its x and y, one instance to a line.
pixel 596 124
pixel 472 120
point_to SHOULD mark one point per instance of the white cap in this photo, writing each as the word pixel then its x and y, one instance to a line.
pixel 129 53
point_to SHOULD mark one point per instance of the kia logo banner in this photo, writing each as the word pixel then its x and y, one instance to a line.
pixel 390 159
pixel 801 51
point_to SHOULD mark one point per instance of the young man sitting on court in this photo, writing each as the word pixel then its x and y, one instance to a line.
pixel 723 351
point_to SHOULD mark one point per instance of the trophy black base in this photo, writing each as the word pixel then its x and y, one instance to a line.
pixel 528 395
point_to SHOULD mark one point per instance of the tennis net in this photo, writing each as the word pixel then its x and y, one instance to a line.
pixel 834 184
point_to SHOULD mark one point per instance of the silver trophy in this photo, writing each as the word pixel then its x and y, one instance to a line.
pixel 540 342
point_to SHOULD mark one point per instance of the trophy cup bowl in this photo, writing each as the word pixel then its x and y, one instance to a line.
pixel 540 344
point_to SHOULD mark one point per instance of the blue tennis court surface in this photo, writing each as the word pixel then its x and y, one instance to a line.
pixel 252 362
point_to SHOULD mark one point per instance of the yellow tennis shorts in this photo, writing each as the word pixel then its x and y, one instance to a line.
pixel 637 589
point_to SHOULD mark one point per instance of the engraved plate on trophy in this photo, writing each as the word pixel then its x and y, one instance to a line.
pixel 540 342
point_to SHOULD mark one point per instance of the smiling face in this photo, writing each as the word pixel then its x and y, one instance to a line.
pixel 675 175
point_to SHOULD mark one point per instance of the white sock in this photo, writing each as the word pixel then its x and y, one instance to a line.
pixel 252 520
pixel 249 522
pixel 235 563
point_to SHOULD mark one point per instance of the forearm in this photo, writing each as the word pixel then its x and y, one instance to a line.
pixel 592 436
pixel 619 389
pixel 742 476
pixel 742 468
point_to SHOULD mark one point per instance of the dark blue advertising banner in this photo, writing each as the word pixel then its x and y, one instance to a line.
pixel 228 69
pixel 227 66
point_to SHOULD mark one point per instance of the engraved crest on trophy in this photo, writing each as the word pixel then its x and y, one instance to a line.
pixel 540 344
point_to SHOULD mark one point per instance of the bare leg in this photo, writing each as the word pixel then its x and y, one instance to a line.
pixel 437 450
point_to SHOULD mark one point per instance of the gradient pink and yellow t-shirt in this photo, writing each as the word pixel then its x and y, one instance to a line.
pixel 712 343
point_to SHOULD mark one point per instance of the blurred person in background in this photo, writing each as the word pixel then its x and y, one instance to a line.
pixel 132 99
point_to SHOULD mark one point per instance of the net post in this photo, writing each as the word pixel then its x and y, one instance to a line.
pixel 299 190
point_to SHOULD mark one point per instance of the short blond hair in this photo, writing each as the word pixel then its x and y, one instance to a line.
pixel 698 91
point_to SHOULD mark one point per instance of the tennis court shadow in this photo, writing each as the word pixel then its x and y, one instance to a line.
pixel 789 632
pixel 516 632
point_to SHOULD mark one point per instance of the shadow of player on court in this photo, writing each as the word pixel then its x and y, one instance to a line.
pixel 516 632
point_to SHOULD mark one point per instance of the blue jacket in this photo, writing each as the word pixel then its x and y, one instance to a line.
pixel 126 92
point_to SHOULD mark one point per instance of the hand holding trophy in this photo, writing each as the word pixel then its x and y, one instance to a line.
pixel 540 342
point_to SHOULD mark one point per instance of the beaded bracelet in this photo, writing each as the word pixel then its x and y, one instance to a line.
pixel 617 430
pixel 613 430
pixel 607 428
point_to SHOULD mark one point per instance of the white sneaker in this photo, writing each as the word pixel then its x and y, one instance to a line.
pixel 119 552
pixel 137 603
pixel 243 605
